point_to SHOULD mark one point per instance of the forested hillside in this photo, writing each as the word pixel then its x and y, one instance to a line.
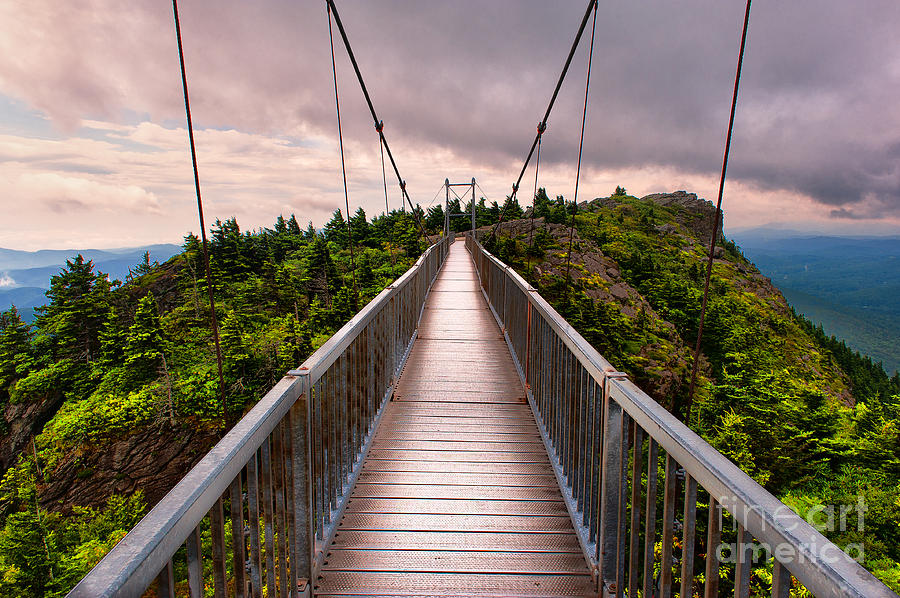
pixel 112 394
pixel 806 417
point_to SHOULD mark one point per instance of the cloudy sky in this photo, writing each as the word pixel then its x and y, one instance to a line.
pixel 93 146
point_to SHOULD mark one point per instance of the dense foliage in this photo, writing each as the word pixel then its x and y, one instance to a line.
pixel 121 358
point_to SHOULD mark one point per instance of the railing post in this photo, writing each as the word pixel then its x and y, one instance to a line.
pixel 611 479
pixel 302 557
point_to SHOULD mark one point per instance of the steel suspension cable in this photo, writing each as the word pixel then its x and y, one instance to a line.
pixel 587 87
pixel 537 168
pixel 337 105
pixel 387 212
pixel 209 280
pixel 379 125
pixel 587 13
pixel 716 220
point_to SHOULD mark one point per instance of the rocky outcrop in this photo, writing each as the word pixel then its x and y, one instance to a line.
pixel 696 214
pixel 152 460
pixel 21 422
pixel 689 210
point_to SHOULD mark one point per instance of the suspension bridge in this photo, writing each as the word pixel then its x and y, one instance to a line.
pixel 457 437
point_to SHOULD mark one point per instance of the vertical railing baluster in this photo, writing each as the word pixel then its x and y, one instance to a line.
pixel 195 564
pixel 331 430
pixel 634 550
pixel 650 515
pixel 347 401
pixel 217 533
pixel 690 529
pixel 303 539
pixel 571 394
pixel 344 370
pixel 557 399
pixel 581 439
pixel 781 580
pixel 713 539
pixel 376 368
pixel 597 465
pixel 280 523
pixel 266 503
pixel 327 444
pixel 253 512
pixel 238 541
pixel 622 529
pixel 744 564
pixel 165 581
pixel 668 534
pixel 317 452
pixel 288 530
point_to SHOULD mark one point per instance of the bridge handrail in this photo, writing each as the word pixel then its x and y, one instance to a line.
pixel 612 402
pixel 283 418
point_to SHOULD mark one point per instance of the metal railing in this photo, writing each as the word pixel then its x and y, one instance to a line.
pixel 284 472
pixel 605 437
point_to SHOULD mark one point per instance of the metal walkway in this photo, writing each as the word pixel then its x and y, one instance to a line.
pixel 457 495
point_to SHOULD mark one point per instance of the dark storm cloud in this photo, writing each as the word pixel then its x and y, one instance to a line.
pixel 817 112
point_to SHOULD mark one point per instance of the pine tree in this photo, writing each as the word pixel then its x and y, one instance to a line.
pixel 144 344
pixel 320 277
pixel 359 226
pixel 310 233
pixel 143 267
pixel 541 204
pixel 336 230
pixel 15 350
pixel 434 221
pixel 79 304
pixel 227 259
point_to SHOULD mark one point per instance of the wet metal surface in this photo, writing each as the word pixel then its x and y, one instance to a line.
pixel 457 495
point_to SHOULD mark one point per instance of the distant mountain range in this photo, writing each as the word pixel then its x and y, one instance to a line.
pixel 850 285
pixel 25 275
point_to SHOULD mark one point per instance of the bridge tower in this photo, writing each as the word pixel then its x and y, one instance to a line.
pixel 447 185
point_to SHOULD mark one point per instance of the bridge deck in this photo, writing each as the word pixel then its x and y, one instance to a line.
pixel 457 495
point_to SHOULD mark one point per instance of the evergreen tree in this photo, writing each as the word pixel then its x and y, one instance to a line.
pixel 359 226
pixel 541 204
pixel 143 267
pixel 79 305
pixel 293 227
pixel 320 277
pixel 144 343
pixel 434 221
pixel 227 260
pixel 112 340
pixel 15 350
pixel 336 230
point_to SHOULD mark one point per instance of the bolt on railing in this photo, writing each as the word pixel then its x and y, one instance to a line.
pixel 606 438
pixel 281 477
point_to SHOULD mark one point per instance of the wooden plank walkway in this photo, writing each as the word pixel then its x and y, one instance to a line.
pixel 457 496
